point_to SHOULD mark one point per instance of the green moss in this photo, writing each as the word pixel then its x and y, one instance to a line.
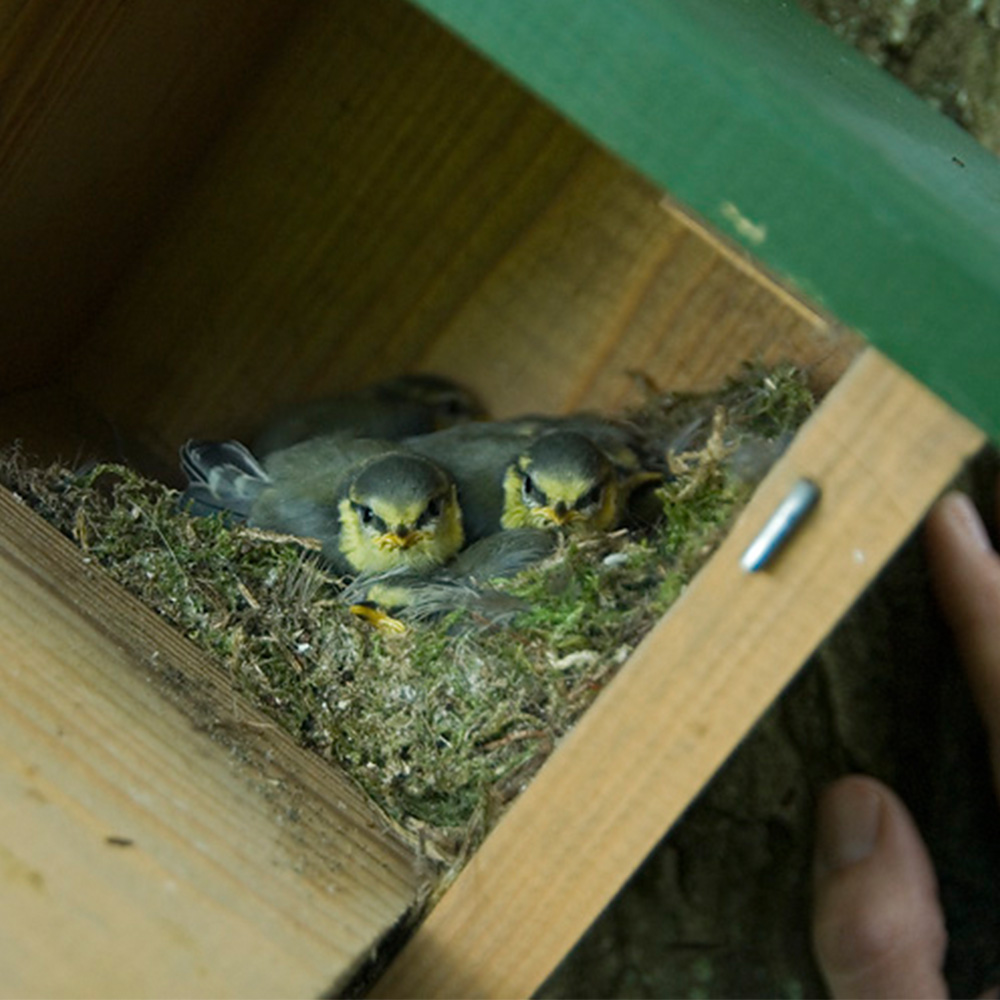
pixel 442 725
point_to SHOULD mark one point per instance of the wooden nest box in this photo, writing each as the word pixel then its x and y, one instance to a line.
pixel 212 207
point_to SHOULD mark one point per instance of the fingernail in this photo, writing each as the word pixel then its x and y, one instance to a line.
pixel 965 518
pixel 849 817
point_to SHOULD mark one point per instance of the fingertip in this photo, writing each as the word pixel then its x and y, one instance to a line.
pixel 878 929
pixel 965 568
pixel 847 824
pixel 954 526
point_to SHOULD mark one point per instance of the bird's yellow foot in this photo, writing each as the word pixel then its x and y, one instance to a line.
pixel 379 619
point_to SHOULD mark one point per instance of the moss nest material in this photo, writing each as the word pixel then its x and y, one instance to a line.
pixel 443 723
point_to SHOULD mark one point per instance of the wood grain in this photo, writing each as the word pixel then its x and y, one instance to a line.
pixel 159 837
pixel 881 447
pixel 104 109
pixel 385 201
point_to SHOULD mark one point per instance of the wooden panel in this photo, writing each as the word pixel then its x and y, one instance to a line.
pixel 53 423
pixel 879 208
pixel 881 447
pixel 158 837
pixel 49 423
pixel 104 107
pixel 389 201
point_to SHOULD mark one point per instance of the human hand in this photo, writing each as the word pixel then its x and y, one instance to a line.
pixel 878 927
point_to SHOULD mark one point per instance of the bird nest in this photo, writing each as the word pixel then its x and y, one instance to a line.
pixel 442 723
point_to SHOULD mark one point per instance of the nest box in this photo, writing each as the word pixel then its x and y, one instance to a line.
pixel 213 207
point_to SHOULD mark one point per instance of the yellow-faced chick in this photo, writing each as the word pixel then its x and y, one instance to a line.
pixel 639 460
pixel 388 410
pixel 561 479
pixel 372 505
pixel 510 475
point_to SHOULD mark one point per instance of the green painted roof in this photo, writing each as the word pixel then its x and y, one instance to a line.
pixel 831 173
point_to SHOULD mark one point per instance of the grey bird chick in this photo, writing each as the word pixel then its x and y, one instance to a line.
pixel 372 505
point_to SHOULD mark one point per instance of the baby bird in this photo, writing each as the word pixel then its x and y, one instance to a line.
pixel 518 474
pixel 562 478
pixel 388 410
pixel 372 505
pixel 640 460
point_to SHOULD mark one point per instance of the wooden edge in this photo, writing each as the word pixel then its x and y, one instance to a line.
pixel 748 264
pixel 881 447
pixel 159 835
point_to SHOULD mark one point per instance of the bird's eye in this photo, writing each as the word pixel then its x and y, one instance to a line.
pixel 366 514
pixel 433 509
pixel 528 488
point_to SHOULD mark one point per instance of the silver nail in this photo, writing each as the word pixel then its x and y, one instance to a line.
pixel 781 525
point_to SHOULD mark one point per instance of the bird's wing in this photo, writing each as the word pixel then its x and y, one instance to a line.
pixel 417 597
pixel 504 553
pixel 222 476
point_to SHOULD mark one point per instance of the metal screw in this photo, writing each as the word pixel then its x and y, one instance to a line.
pixel 781 525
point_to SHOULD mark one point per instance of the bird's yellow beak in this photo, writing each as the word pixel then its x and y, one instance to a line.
pixel 401 539
pixel 558 514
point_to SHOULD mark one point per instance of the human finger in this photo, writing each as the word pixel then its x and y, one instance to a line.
pixel 965 569
pixel 878 928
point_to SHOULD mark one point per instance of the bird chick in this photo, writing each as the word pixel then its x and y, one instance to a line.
pixel 640 460
pixel 532 473
pixel 372 505
pixel 388 410
pixel 624 442
pixel 561 479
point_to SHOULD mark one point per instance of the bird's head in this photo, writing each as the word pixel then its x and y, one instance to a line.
pixel 561 480
pixel 400 511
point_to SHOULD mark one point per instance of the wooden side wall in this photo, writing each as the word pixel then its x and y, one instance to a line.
pixel 105 108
